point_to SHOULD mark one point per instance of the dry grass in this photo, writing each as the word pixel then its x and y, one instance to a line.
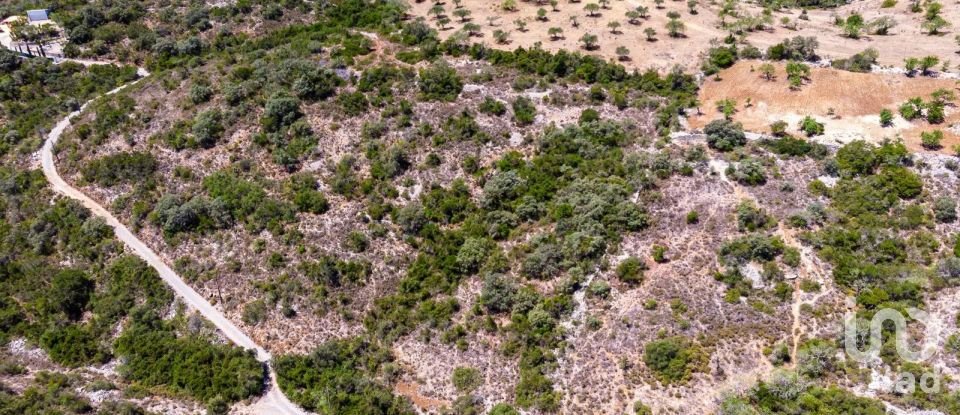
pixel 905 40
pixel 855 99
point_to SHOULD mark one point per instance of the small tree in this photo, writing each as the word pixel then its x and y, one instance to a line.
pixel 573 21
pixel 650 34
pixel 659 3
pixel 928 62
pixel 935 25
pixel 442 22
pixel 509 5
pixel 521 25
pixel 910 64
pixel 436 11
pixel 643 11
pixel 797 73
pixel 853 25
pixel 458 3
pixel 675 28
pixel 589 41
pixel 614 27
pixel 542 14
pixel 462 14
pixel 553 5
pixel 555 33
pixel 632 17
pixel 605 4
pixel 592 9
pixel 692 6
pixel 472 29
pixel 727 107
pixel 623 54
pixel 882 25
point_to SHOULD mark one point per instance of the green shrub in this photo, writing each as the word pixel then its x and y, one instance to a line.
pixel 945 210
pixel 931 140
pixel 200 93
pixel 524 111
pixel 207 128
pixel 724 135
pixel 886 118
pixel 317 381
pixel 673 360
pixel 440 82
pixel 811 127
pixel 155 356
pixel 492 106
pixel 125 167
pixel 659 253
pixel 280 111
pixel 466 379
pixel 353 103
pixel 630 270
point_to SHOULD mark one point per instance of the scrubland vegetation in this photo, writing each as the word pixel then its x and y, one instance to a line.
pixel 351 180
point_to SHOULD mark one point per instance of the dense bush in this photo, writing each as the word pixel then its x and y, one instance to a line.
pixel 630 270
pixel 524 111
pixel 196 214
pixel 754 247
pixel 340 377
pixel 280 111
pixel 119 168
pixel 724 135
pixel 247 201
pixel 305 194
pixel 860 62
pixel 440 82
pixel 155 356
pixel 798 48
pixel 492 106
pixel 673 360
pixel 788 393
pixel 208 128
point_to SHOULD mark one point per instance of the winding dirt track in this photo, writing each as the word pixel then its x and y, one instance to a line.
pixel 274 401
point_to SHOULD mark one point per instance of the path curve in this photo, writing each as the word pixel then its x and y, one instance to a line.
pixel 273 401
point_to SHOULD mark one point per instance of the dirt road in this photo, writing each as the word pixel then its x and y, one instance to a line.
pixel 274 401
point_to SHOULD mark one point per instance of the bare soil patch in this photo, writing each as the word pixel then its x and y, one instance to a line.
pixel 906 39
pixel 854 100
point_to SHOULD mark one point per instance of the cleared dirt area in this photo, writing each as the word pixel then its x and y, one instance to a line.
pixel 905 40
pixel 847 103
